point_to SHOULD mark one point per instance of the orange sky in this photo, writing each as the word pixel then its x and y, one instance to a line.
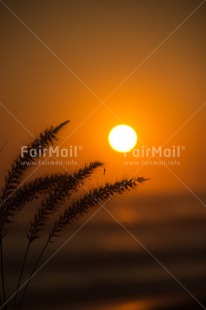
pixel 102 42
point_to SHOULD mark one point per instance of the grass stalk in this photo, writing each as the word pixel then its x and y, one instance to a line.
pixel 13 179
pixel 80 207
pixel 50 204
pixel 21 272
pixel 2 271
pixel 32 272
pixel 55 190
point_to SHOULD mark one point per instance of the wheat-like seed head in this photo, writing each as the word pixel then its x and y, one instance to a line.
pixel 93 198
pixel 17 169
pixel 56 198
pixel 28 192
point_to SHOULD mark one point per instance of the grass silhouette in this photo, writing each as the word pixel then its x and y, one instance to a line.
pixel 54 191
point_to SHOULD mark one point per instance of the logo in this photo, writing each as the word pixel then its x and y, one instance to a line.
pixel 56 153
pixel 155 155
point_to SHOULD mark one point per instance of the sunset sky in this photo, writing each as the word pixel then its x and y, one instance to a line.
pixel 101 64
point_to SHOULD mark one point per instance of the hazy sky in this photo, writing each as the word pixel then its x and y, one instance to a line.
pixel 60 59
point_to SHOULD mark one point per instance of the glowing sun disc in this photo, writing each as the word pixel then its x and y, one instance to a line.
pixel 122 138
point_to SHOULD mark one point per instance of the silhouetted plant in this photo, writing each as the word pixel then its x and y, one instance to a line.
pixel 13 180
pixel 54 190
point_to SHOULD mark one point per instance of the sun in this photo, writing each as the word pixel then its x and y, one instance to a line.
pixel 122 138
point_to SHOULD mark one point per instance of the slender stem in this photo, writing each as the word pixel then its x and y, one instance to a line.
pixel 33 270
pixel 2 268
pixel 21 272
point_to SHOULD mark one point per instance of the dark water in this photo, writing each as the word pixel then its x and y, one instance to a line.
pixel 106 267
